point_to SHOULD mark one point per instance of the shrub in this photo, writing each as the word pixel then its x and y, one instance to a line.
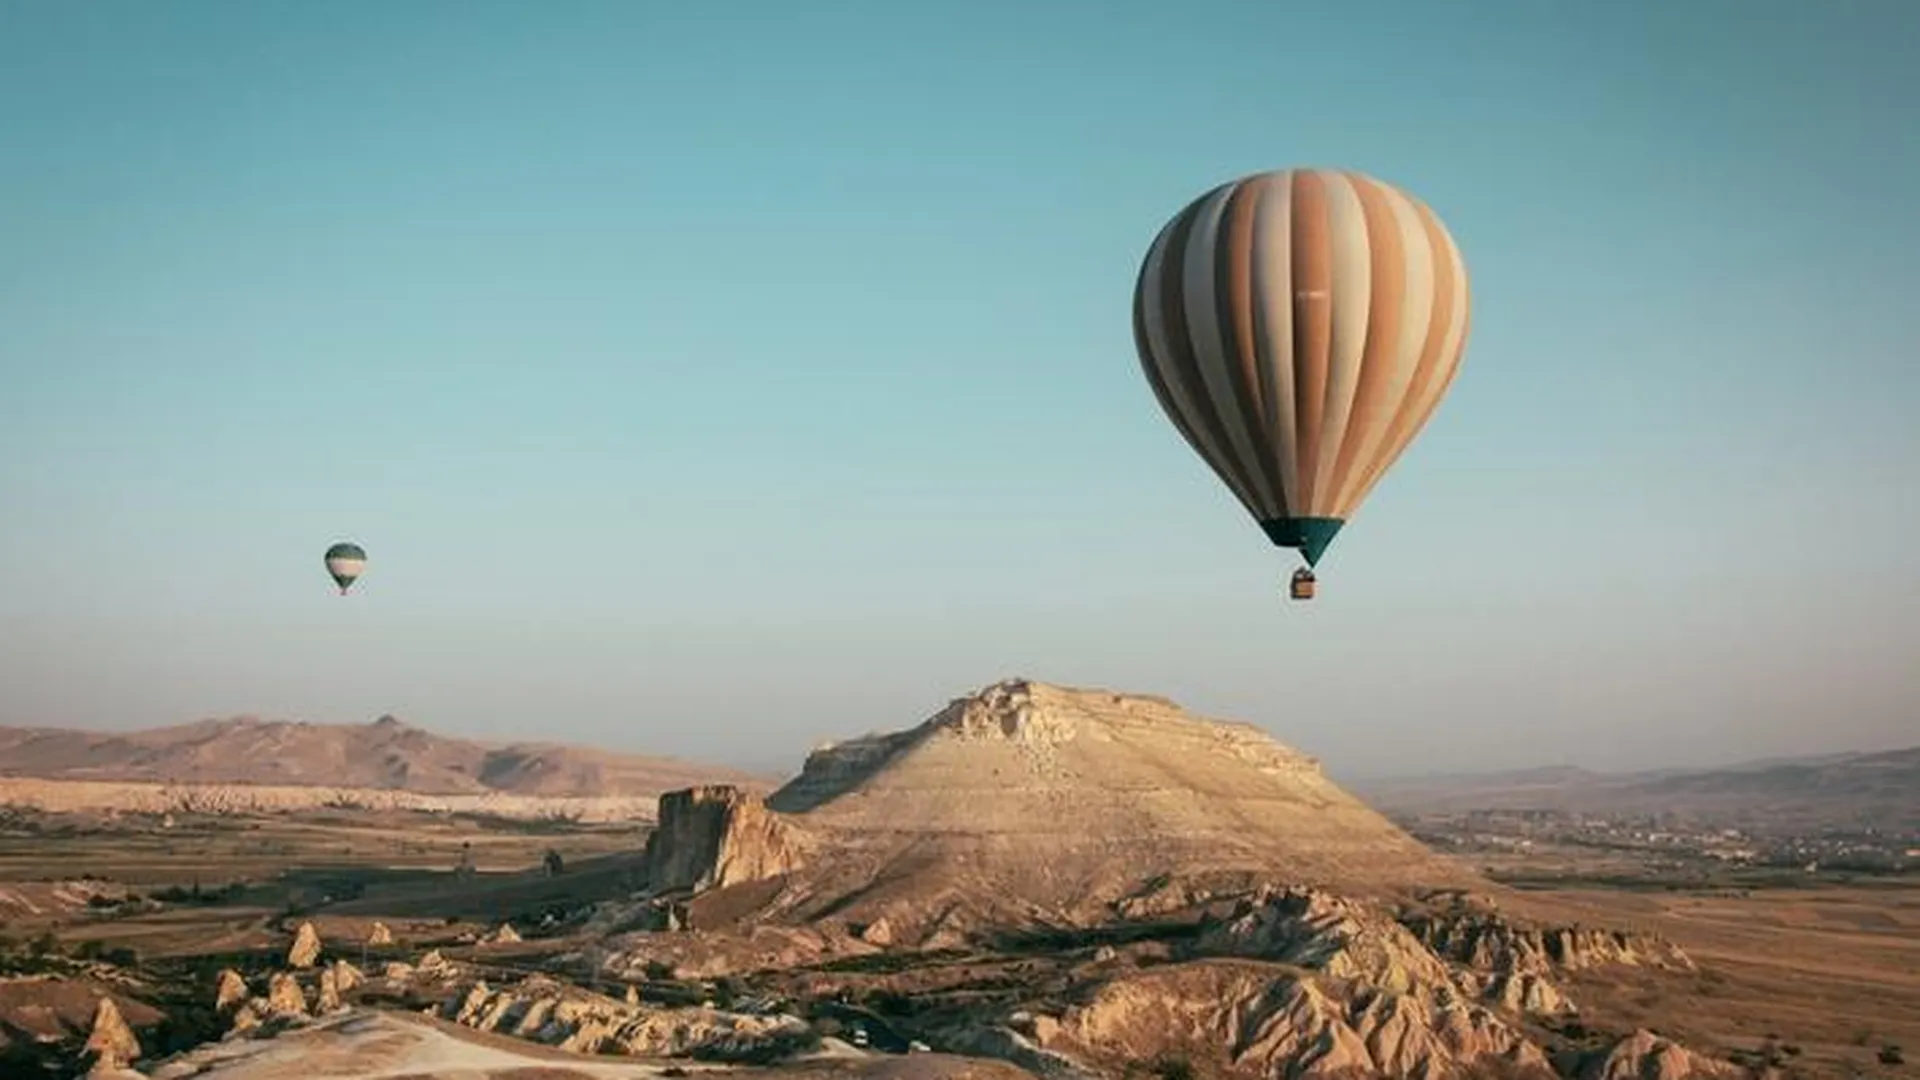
pixel 1173 1067
pixel 890 1003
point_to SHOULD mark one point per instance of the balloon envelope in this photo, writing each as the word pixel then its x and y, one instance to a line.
pixel 1299 327
pixel 346 562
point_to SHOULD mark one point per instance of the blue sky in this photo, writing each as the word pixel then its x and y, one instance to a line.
pixel 713 379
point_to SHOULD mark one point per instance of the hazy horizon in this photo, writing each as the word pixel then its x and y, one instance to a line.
pixel 712 385
pixel 784 763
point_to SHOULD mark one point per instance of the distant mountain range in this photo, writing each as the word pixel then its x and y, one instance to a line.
pixel 1880 788
pixel 385 754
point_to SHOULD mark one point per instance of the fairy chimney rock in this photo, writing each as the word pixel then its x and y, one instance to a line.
pixel 306 947
pixel 230 991
pixel 112 1043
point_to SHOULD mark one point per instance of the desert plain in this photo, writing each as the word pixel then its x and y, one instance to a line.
pixel 1033 880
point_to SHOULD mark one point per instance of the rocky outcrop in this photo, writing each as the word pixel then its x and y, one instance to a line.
pixel 306 947
pixel 292 998
pixel 1487 942
pixel 702 955
pixel 380 935
pixel 1343 938
pixel 1647 1056
pixel 1535 995
pixel 285 998
pixel 571 1019
pixel 433 969
pixel 345 976
pixel 504 934
pixel 248 1018
pixel 1358 942
pixel 715 836
pixel 1256 1020
pixel 1520 967
pixel 111 1045
pixel 229 992
pixel 327 997
pixel 1297 982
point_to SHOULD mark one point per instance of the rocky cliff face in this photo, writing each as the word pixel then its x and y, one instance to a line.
pixel 715 836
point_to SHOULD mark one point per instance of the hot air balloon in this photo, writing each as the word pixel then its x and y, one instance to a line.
pixel 1299 326
pixel 346 562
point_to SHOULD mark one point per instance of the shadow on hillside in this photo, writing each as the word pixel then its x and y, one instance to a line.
pixel 841 768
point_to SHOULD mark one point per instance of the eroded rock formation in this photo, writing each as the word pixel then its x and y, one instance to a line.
pixel 711 837
pixel 306 947
pixel 111 1044
pixel 559 1015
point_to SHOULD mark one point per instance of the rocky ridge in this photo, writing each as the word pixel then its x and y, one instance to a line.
pixel 1300 982
pixel 1080 883
pixel 569 1018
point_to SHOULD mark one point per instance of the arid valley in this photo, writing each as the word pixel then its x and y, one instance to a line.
pixel 1033 881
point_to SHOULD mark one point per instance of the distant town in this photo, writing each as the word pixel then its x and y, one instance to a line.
pixel 1536 842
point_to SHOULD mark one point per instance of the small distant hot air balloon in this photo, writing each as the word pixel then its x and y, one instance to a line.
pixel 1299 327
pixel 346 562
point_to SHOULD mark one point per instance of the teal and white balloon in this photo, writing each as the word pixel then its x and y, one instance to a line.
pixel 346 562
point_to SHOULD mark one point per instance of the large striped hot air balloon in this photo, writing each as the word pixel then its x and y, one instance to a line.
pixel 346 562
pixel 1299 326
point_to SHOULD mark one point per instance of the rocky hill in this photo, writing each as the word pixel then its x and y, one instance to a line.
pixel 1031 804
pixel 384 755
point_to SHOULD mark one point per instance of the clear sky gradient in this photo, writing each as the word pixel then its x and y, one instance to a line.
pixel 712 379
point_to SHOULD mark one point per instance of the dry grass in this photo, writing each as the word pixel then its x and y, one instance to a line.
pixel 1832 973
pixel 343 869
